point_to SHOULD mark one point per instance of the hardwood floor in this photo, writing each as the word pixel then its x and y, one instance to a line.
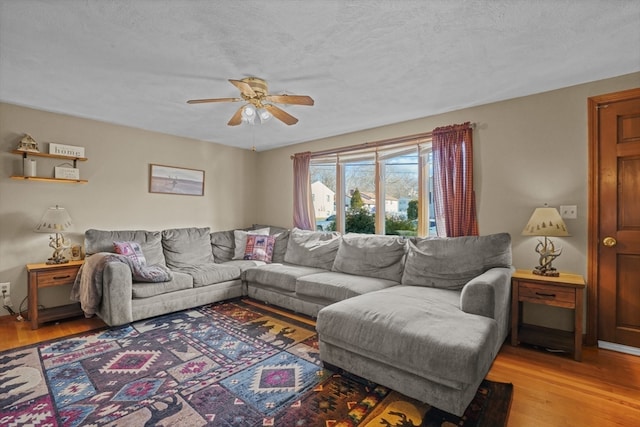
pixel 15 334
pixel 555 390
pixel 549 389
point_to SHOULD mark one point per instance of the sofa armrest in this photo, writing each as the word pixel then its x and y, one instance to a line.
pixel 117 293
pixel 488 294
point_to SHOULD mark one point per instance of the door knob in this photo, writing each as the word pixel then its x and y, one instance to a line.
pixel 609 242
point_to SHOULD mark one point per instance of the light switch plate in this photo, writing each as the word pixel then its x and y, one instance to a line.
pixel 569 211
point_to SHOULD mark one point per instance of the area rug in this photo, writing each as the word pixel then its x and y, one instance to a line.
pixel 234 363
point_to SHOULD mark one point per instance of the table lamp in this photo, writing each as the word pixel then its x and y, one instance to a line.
pixel 546 222
pixel 55 220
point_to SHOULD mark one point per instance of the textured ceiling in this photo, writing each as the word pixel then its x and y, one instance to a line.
pixel 366 63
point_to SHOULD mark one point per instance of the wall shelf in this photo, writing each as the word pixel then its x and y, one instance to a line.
pixel 26 154
pixel 45 179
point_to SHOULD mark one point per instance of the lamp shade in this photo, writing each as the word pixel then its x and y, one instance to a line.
pixel 545 222
pixel 54 220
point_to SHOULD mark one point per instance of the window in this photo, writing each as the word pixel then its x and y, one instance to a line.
pixel 323 184
pixel 400 176
pixel 386 190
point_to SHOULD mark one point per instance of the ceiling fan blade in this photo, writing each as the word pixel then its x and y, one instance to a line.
pixel 281 115
pixel 244 87
pixel 290 99
pixel 237 117
pixel 202 101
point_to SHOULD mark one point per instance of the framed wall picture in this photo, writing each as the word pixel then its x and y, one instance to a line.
pixel 173 180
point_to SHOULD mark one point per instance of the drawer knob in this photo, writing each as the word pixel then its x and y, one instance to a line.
pixel 609 242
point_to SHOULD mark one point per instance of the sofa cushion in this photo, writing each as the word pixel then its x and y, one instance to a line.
pixel 187 247
pixel 222 245
pixel 419 330
pixel 273 229
pixel 279 276
pixel 449 263
pixel 212 273
pixel 102 241
pixel 312 248
pixel 240 240
pixel 371 255
pixel 178 282
pixel 334 286
pixel 259 248
pixel 244 264
pixel 280 248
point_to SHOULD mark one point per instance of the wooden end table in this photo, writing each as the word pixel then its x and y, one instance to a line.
pixel 566 291
pixel 47 275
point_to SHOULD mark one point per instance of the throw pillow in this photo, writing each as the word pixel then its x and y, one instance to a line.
pixel 259 248
pixel 240 237
pixel 146 273
pixel 131 250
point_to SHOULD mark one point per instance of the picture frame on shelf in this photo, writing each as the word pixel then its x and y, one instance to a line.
pixel 76 252
pixel 176 180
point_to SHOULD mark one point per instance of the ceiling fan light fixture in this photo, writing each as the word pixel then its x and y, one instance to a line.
pixel 249 112
pixel 264 115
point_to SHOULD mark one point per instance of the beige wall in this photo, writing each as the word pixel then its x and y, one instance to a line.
pixel 527 151
pixel 116 196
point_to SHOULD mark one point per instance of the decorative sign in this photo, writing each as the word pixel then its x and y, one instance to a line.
pixel 67 173
pixel 66 150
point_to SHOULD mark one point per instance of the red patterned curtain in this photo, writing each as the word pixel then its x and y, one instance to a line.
pixel 303 214
pixel 454 196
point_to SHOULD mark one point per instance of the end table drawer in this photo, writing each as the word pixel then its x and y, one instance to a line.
pixel 57 277
pixel 541 294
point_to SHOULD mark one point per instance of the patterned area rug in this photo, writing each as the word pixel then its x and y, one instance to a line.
pixel 227 364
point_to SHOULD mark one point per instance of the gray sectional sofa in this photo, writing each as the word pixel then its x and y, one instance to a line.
pixel 423 316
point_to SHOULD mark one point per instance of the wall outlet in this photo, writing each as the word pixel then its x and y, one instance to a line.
pixel 5 289
pixel 569 211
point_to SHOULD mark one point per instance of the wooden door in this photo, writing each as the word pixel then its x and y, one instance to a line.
pixel 614 235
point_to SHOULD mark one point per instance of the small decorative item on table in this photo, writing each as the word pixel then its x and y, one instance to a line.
pixel 56 220
pixel 546 222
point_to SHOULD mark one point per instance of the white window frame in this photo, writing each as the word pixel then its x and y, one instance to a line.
pixel 420 143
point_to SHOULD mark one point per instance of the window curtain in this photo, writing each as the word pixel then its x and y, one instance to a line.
pixel 303 214
pixel 454 196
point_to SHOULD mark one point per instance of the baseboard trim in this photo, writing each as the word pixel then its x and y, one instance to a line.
pixel 619 348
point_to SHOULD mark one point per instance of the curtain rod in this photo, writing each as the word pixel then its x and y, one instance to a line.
pixel 374 144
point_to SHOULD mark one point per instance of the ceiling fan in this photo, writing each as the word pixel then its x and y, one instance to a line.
pixel 259 103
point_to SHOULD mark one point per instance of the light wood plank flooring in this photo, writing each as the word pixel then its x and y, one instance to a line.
pixel 549 389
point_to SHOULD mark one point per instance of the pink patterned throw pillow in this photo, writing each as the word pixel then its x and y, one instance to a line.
pixel 131 250
pixel 259 248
